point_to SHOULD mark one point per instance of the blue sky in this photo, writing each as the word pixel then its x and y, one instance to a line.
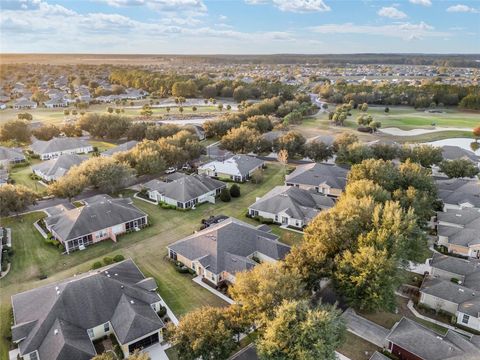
pixel 239 26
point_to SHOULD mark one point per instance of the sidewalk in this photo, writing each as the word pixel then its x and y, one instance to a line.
pixel 199 281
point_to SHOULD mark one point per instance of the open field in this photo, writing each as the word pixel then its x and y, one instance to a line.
pixel 33 257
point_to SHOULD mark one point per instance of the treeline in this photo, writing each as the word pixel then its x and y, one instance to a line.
pixel 422 96
pixel 110 174
pixel 164 85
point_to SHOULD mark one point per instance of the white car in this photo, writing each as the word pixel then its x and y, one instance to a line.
pixel 170 170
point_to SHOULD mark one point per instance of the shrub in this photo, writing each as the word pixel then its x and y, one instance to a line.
pixel 96 265
pixel 107 260
pixel 162 312
pixel 225 195
pixel 235 191
pixel 118 258
pixel 455 280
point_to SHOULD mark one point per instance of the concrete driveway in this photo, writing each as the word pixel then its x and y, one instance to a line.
pixel 364 328
pixel 156 352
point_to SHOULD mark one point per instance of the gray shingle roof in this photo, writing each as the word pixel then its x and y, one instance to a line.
pixel 11 154
pixel 459 191
pixel 59 166
pixel 80 303
pixel 450 152
pixel 447 290
pixel 220 244
pixel 185 188
pixel 298 203
pixel 243 163
pixel 378 356
pixel 428 344
pixel 317 173
pixel 122 147
pixel 454 265
pixel 57 145
pixel 95 216
pixel 461 217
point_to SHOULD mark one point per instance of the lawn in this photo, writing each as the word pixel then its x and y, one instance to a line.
pixel 21 175
pixel 356 348
pixel 33 257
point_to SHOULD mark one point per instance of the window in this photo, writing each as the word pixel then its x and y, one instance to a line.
pixel 465 318
pixel 34 356
pixel 90 333
pixel 173 255
pixel 106 327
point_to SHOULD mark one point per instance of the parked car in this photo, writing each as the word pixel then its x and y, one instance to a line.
pixel 170 170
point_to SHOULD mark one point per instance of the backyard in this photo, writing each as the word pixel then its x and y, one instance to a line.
pixel 34 258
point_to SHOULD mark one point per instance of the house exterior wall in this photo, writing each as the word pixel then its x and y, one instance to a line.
pixel 52 155
pixel 438 303
pixel 99 331
pixel 458 249
pixel 447 275
pixel 402 354
pixel 207 197
pixel 277 218
pixel 321 188
pixel 473 322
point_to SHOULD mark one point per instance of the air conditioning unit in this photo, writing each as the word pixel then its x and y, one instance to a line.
pixel 81 247
pixel 137 228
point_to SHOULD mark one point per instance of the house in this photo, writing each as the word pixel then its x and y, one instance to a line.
pixel 122 147
pixel 218 252
pixel 56 102
pixel 453 298
pixel 290 206
pixel 324 178
pixel 58 146
pixel 459 193
pixel 458 231
pixel 238 168
pixel 409 340
pixel 450 152
pixel 184 191
pixel 24 103
pixel 214 152
pixel 101 218
pixel 60 321
pixel 10 156
pixel 55 168
pixel 466 272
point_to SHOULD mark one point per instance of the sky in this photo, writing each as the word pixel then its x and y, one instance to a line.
pixel 239 26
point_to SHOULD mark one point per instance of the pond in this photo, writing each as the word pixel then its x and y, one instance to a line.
pixel 464 143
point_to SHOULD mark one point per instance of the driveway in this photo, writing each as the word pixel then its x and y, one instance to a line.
pixel 156 352
pixel 364 328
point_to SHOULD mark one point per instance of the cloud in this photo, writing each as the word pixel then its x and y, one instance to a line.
pixel 421 2
pixel 162 5
pixel 460 8
pixel 297 6
pixel 392 13
pixel 407 31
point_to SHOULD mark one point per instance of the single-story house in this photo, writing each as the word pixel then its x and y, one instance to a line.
pixel 56 102
pixel 467 272
pixel 453 298
pixel 53 169
pixel 10 156
pixel 459 230
pixel 101 218
pixel 122 147
pixel 24 103
pixel 185 191
pixel 60 321
pixel 459 193
pixel 324 178
pixel 409 340
pixel 290 206
pixel 58 146
pixel 450 152
pixel 218 252
pixel 238 168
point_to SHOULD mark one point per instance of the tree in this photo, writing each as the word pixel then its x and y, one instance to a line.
pixel 225 195
pixel 261 290
pixel 292 142
pixel 282 157
pixel 364 107
pixel 354 154
pixel 318 151
pixel 240 94
pixel 71 130
pixel 109 110
pixel 68 187
pixel 138 355
pixel 367 278
pixel 17 130
pixel 425 155
pixel 202 333
pixel 146 158
pixel 235 191
pixel 24 116
pixel 220 107
pixel 301 332
pixel 15 198
pixel 387 109
pixel 209 91
pixel 476 132
pixel 459 168
pixel 474 145
pixel 241 140
pixel 343 140
pixel 137 131
pixel 46 132
pixel 257 176
pixel 261 123
pixel 146 111
pixel 39 97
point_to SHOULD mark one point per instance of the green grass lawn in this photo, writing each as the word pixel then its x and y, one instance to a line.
pixel 21 175
pixel 356 348
pixel 33 257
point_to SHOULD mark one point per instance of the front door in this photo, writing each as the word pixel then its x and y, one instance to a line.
pixel 284 220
